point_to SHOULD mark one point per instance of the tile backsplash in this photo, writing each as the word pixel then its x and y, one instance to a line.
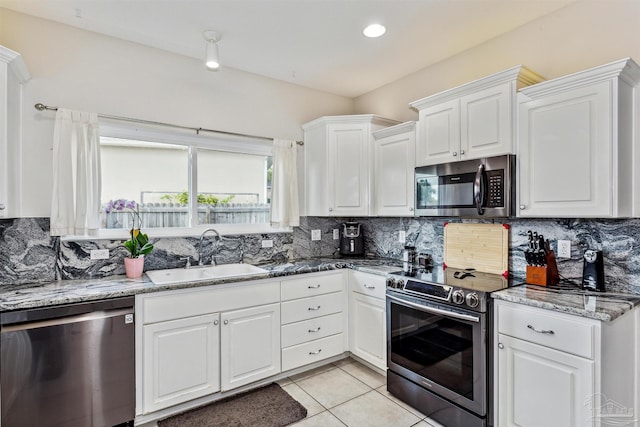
pixel 29 254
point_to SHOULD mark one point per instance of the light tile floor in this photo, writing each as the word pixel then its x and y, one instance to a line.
pixel 347 393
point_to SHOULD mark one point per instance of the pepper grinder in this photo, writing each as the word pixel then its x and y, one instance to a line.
pixel 408 259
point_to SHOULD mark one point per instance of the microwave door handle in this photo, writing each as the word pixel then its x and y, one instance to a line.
pixel 478 189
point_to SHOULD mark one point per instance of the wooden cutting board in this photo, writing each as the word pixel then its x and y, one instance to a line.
pixel 484 247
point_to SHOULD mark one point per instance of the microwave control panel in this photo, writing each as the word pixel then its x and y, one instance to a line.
pixel 495 180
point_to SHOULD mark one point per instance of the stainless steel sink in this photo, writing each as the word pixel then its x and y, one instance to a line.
pixel 198 274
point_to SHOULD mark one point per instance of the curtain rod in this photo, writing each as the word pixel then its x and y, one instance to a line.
pixel 41 107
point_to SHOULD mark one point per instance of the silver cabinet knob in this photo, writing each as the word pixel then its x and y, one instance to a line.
pixel 461 152
pixel 410 209
pixel 226 322
pixel 215 322
pixel 500 345
pixel 522 207
pixel 454 154
pixel 330 209
pixel 2 207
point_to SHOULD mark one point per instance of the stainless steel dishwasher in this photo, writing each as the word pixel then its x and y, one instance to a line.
pixel 68 366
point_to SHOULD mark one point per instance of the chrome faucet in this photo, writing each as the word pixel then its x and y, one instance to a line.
pixel 213 258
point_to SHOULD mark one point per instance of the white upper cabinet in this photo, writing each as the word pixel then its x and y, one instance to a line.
pixel 394 153
pixel 470 121
pixel 577 142
pixel 13 73
pixel 338 164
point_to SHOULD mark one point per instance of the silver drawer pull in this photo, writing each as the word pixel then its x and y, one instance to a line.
pixel 315 330
pixel 541 331
pixel 313 286
pixel 369 286
pixel 317 307
pixel 315 352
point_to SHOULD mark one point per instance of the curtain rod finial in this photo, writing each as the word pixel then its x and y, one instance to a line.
pixel 40 107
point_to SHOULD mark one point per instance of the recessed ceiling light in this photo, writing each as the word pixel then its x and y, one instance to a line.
pixel 374 30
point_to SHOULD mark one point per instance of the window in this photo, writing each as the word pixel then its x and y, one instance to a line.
pixel 184 181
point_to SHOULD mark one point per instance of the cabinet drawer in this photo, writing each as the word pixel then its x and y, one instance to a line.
pixel 308 308
pixel 180 304
pixel 312 329
pixel 562 332
pixel 312 351
pixel 310 285
pixel 368 284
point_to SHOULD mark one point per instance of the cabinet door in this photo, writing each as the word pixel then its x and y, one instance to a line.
pixel 539 386
pixel 438 134
pixel 485 123
pixel 394 174
pixel 181 361
pixel 249 345
pixel 566 154
pixel 348 170
pixel 367 329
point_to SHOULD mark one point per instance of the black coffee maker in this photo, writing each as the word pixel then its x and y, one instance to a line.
pixel 351 239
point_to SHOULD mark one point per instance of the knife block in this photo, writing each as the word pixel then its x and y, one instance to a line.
pixel 543 276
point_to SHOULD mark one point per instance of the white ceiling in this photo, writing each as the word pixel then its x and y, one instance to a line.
pixel 313 43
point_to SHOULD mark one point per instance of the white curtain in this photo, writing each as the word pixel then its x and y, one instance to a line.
pixel 75 204
pixel 285 211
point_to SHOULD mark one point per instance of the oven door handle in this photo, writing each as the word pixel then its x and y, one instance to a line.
pixel 435 310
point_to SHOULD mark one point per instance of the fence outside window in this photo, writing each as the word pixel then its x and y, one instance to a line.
pixel 166 215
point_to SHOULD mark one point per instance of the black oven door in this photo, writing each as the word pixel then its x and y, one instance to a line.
pixel 441 348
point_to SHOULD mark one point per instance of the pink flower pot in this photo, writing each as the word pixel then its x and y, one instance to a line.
pixel 133 267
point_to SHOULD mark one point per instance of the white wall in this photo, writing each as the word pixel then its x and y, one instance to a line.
pixel 76 69
pixel 580 36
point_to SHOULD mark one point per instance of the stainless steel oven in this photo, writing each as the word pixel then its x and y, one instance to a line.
pixel 437 342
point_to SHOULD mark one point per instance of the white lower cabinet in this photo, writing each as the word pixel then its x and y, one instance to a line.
pixel 313 318
pixel 367 329
pixel 367 318
pixel 540 386
pixel 556 369
pixel 195 342
pixel 249 345
pixel 181 361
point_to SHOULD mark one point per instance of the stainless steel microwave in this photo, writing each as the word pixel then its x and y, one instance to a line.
pixel 481 188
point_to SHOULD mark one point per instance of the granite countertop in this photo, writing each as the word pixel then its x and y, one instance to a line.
pixel 36 295
pixel 570 299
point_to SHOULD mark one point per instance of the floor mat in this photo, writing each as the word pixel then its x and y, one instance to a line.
pixel 269 406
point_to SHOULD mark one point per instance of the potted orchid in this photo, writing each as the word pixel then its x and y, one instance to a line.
pixel 138 246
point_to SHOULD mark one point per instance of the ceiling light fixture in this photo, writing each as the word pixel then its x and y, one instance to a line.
pixel 212 58
pixel 374 30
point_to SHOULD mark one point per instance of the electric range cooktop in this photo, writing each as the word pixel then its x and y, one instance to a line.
pixel 467 288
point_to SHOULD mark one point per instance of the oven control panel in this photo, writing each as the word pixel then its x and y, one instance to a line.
pixel 453 295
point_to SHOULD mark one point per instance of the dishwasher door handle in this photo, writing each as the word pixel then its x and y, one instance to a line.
pixel 86 317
